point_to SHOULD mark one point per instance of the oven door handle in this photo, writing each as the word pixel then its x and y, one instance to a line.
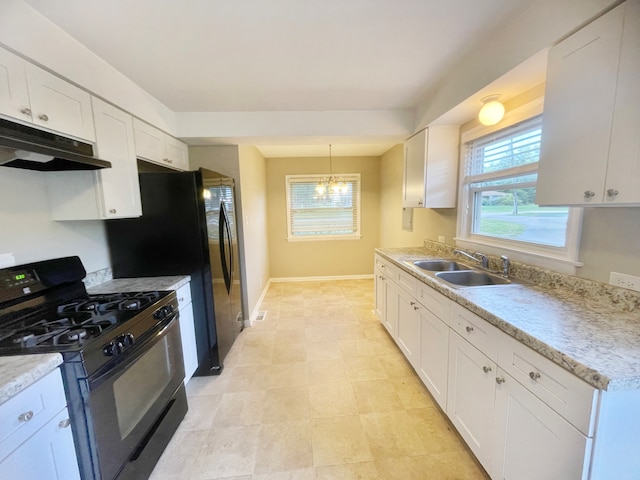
pixel 127 358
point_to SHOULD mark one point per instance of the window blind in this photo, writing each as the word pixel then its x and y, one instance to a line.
pixel 509 152
pixel 330 214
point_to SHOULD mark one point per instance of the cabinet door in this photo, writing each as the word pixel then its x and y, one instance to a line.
pixel 441 172
pixel 623 173
pixel 49 453
pixel 578 112
pixel 149 142
pixel 390 321
pixel 177 153
pixel 379 281
pixel 470 399
pixel 188 335
pixel 14 96
pixel 532 441
pixel 413 174
pixel 59 105
pixel 119 184
pixel 408 332
pixel 434 355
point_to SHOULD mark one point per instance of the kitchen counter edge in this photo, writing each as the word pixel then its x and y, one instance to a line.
pixel 140 284
pixel 17 372
pixel 588 373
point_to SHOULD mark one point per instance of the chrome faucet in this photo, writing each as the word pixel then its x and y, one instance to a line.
pixel 479 258
pixel 505 265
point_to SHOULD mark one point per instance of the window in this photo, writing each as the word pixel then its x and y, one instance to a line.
pixel 331 215
pixel 499 195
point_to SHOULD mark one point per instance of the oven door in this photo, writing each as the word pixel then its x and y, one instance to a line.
pixel 131 398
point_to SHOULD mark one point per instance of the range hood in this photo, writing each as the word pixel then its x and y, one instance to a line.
pixel 26 147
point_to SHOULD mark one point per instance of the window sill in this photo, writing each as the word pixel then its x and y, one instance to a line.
pixel 538 258
pixel 323 238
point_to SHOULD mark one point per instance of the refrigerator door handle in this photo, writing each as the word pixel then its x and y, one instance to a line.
pixel 223 235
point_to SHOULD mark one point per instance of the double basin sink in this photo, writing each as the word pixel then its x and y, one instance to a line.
pixel 459 274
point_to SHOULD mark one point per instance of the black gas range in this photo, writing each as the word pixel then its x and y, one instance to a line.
pixel 122 361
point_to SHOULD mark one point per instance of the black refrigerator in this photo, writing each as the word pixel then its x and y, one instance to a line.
pixel 188 227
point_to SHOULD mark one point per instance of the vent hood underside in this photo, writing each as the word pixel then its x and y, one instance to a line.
pixel 28 148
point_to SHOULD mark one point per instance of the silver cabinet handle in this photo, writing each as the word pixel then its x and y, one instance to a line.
pixel 612 192
pixel 534 375
pixel 499 380
pixel 112 210
pixel 26 111
pixel 168 160
pixel 420 203
pixel 589 194
pixel 416 308
pixel 469 329
pixel 43 117
pixel 486 369
pixel 64 423
pixel 412 303
pixel 26 416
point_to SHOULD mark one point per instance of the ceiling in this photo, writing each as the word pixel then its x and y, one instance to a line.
pixel 281 55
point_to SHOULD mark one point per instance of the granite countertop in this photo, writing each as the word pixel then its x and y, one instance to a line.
pixel 141 284
pixel 594 336
pixel 20 371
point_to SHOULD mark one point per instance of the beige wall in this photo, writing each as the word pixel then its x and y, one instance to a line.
pixel 253 182
pixel 321 258
pixel 427 222
pixel 29 233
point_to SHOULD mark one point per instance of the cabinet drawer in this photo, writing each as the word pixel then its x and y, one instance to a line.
pixel 184 295
pixel 434 301
pixel 405 281
pixel 22 415
pixel 572 398
pixel 477 331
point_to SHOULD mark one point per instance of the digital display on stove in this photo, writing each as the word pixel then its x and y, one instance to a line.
pixel 18 279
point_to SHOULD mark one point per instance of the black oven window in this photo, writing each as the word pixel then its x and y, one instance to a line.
pixel 140 386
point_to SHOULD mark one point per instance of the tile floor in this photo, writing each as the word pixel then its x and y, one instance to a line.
pixel 317 390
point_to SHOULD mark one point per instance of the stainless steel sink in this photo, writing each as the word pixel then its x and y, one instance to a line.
pixel 441 265
pixel 472 278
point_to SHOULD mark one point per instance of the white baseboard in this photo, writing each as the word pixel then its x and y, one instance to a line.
pixel 256 309
pixel 321 279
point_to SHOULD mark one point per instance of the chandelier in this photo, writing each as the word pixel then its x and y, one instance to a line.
pixel 331 184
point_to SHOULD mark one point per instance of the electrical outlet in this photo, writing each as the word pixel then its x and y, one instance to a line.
pixel 441 239
pixel 624 281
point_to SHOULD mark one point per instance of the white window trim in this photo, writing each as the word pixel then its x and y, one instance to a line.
pixel 321 238
pixel 564 260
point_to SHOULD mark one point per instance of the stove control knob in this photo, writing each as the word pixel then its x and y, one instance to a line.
pixel 126 340
pixel 110 349
pixel 159 314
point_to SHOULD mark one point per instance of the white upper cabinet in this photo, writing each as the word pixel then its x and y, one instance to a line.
pixel 31 94
pixel 431 168
pixel 590 152
pixel 156 146
pixel 14 95
pixel 107 193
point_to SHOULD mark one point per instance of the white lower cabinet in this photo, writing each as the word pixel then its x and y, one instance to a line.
pixel 36 440
pixel 187 331
pixel 532 442
pixel 523 416
pixel 434 356
pixel 408 332
pixel 470 400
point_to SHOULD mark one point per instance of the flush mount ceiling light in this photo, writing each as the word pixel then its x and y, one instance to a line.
pixel 331 184
pixel 492 111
